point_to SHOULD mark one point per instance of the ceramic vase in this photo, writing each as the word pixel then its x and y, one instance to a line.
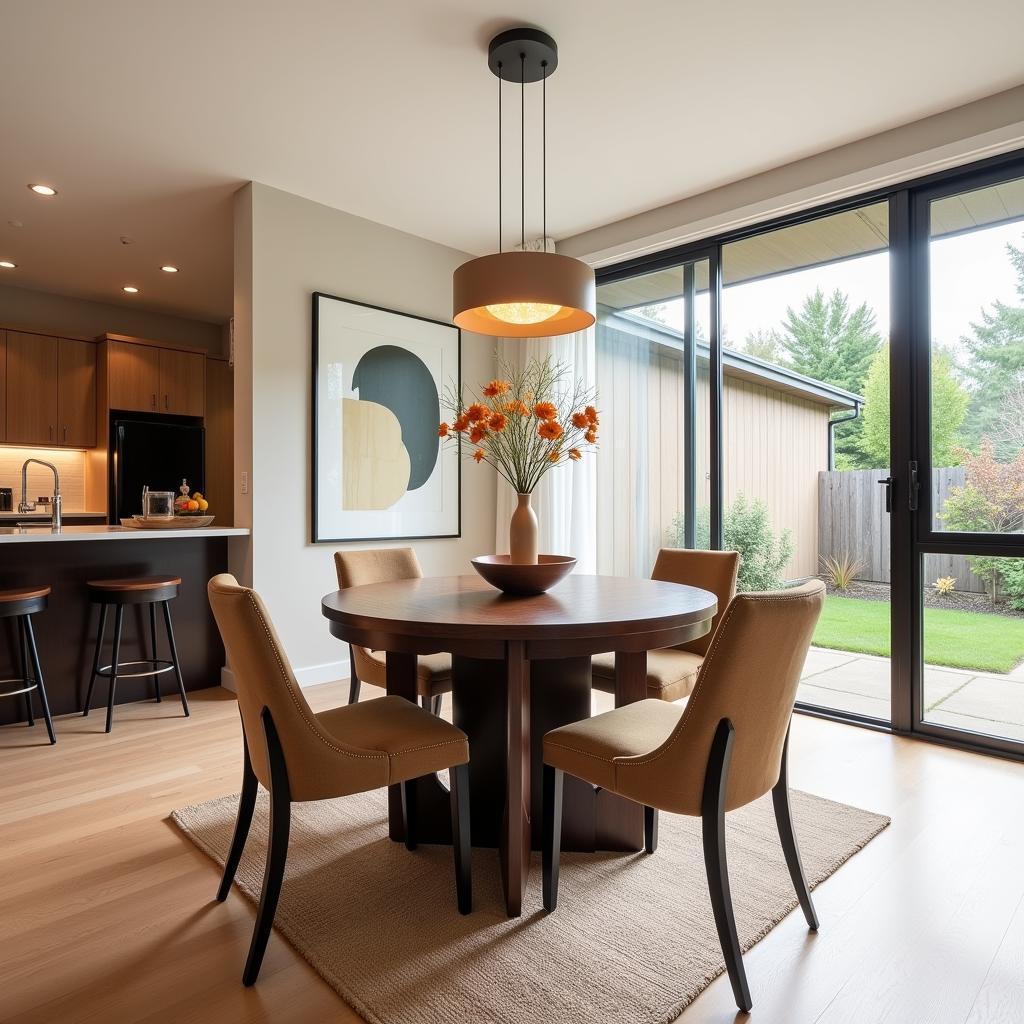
pixel 522 533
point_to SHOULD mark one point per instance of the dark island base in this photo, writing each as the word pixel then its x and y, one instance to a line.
pixel 560 693
pixel 66 631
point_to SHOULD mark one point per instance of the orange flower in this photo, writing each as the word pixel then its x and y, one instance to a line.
pixel 551 430
pixel 575 454
pixel 591 436
pixel 591 413
pixel 478 434
pixel 461 423
pixel 517 406
pixel 545 411
pixel 496 387
pixel 479 455
pixel 580 420
pixel 554 456
pixel 477 412
pixel 497 422
pixel 442 431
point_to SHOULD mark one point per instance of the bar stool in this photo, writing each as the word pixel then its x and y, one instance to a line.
pixel 22 603
pixel 152 591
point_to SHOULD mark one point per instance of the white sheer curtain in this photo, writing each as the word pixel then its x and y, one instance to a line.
pixel 565 500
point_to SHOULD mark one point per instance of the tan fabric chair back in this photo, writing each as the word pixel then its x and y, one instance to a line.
pixel 316 761
pixel 750 676
pixel 709 570
pixel 376 565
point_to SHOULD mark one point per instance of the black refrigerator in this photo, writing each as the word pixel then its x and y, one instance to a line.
pixel 156 452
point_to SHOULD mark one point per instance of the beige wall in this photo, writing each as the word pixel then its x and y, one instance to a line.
pixel 23 307
pixel 295 247
pixel 971 132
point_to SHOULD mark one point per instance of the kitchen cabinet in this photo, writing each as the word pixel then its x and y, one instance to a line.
pixel 3 385
pixel 146 378
pixel 76 393
pixel 133 376
pixel 31 389
pixel 220 455
pixel 49 391
pixel 182 382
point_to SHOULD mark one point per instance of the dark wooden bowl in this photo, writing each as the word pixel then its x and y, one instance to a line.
pixel 522 580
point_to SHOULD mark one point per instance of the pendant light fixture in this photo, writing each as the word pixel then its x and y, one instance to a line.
pixel 521 294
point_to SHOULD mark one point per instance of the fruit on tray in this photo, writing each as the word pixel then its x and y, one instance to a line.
pixel 191 505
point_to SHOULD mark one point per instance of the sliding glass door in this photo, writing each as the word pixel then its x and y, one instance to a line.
pixel 967 493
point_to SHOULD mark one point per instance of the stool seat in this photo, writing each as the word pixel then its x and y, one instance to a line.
pixel 20 604
pixel 128 586
pixel 116 594
pixel 23 594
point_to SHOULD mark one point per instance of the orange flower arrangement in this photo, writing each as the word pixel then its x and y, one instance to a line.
pixel 524 422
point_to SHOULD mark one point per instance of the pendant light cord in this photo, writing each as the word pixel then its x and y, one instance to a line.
pixel 499 157
pixel 522 146
pixel 544 155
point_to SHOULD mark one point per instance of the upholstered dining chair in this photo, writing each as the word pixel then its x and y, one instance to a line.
pixel 724 748
pixel 672 672
pixel 298 755
pixel 382 565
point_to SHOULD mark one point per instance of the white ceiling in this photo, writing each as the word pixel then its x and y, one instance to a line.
pixel 147 116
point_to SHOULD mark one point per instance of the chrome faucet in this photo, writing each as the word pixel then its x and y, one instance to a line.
pixel 25 506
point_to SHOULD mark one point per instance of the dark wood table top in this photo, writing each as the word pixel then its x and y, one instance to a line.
pixel 580 607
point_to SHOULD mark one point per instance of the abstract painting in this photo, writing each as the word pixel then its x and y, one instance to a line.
pixel 379 470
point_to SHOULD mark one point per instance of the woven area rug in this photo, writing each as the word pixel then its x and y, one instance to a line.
pixel 633 940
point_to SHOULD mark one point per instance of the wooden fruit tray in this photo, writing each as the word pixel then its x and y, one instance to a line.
pixel 175 523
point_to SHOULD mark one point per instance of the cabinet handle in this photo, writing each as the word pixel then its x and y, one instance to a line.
pixel 51 431
pixel 154 399
pixel 65 435
pixel 167 402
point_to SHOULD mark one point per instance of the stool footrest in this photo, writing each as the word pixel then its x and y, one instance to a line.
pixel 27 686
pixel 168 666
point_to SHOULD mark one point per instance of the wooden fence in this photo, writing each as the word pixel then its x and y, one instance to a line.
pixel 852 520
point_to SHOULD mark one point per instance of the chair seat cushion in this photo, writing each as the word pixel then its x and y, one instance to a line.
pixel 671 673
pixel 588 749
pixel 433 672
pixel 415 741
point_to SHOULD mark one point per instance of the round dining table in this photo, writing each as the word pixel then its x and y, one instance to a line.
pixel 520 667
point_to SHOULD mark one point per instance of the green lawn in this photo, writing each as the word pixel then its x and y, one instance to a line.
pixel 971 640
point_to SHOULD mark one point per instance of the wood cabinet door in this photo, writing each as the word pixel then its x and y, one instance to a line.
pixel 76 393
pixel 133 376
pixel 182 382
pixel 3 385
pixel 220 433
pixel 31 389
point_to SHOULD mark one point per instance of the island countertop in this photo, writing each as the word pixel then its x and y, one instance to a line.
pixel 43 533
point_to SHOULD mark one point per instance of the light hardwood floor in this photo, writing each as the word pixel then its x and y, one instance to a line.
pixel 107 912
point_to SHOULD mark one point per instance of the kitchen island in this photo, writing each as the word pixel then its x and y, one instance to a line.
pixel 66 560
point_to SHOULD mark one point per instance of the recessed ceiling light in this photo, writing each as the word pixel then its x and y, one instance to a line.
pixel 43 190
pixel 7 264
pixel 130 289
pixel 168 269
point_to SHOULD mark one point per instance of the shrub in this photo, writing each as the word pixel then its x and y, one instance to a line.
pixel 748 530
pixel 1012 571
pixel 841 570
pixel 676 537
pixel 945 585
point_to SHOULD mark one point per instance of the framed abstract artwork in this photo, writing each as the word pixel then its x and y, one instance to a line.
pixel 379 470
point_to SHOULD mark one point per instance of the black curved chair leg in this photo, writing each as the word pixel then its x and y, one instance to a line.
pixel 246 805
pixel 277 851
pixel 96 659
pixel 552 838
pixel 354 684
pixel 409 812
pixel 459 795
pixel 784 821
pixel 650 829
pixel 38 672
pixel 713 827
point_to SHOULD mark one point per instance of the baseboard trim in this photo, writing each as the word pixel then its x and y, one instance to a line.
pixel 312 675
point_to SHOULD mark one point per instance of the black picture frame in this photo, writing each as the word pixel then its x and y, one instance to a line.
pixel 315 537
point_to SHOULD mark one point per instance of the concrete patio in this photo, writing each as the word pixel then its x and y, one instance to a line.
pixel 859 684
